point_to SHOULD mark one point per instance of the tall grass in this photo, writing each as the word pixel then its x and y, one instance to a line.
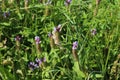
pixel 59 40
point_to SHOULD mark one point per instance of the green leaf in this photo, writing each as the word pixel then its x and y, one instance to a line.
pixel 77 70
pixel 5 24
pixel 5 74
pixel 97 76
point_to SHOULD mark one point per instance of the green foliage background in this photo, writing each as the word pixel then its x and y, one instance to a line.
pixel 97 54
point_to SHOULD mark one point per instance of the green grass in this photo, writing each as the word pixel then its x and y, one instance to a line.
pixel 98 54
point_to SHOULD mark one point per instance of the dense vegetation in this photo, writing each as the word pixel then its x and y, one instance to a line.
pixel 59 39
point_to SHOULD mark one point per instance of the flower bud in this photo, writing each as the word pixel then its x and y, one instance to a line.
pixel 93 32
pixel 67 2
pixel 17 39
pixel 74 51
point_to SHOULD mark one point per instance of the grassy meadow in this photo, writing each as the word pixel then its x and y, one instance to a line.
pixel 59 39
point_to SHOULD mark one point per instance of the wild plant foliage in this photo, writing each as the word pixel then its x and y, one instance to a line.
pixel 59 39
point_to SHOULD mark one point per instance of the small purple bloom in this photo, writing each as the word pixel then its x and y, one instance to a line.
pixel 38 61
pixel 75 45
pixel 93 31
pixel 6 14
pixel 37 39
pixel 32 65
pixel 58 28
pixel 17 38
pixel 67 2
pixel 50 34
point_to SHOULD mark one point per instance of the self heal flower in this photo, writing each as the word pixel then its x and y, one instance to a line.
pixel 67 2
pixel 50 34
pixel 38 61
pixel 32 65
pixel 56 35
pixel 75 45
pixel 58 28
pixel 6 14
pixel 93 31
pixel 74 51
pixel 38 47
pixel 17 38
pixel 37 39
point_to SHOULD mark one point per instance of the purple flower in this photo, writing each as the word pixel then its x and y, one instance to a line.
pixel 58 28
pixel 6 14
pixel 38 61
pixel 32 65
pixel 75 45
pixel 67 2
pixel 17 38
pixel 93 31
pixel 50 34
pixel 37 39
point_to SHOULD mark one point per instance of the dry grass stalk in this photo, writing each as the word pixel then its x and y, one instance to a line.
pixel 114 69
pixel 96 8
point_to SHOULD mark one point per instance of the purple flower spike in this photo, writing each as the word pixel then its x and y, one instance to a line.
pixel 37 39
pixel 93 31
pixel 38 61
pixel 32 65
pixel 58 28
pixel 75 45
pixel 36 66
pixel 17 38
pixel 67 2
pixel 6 14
